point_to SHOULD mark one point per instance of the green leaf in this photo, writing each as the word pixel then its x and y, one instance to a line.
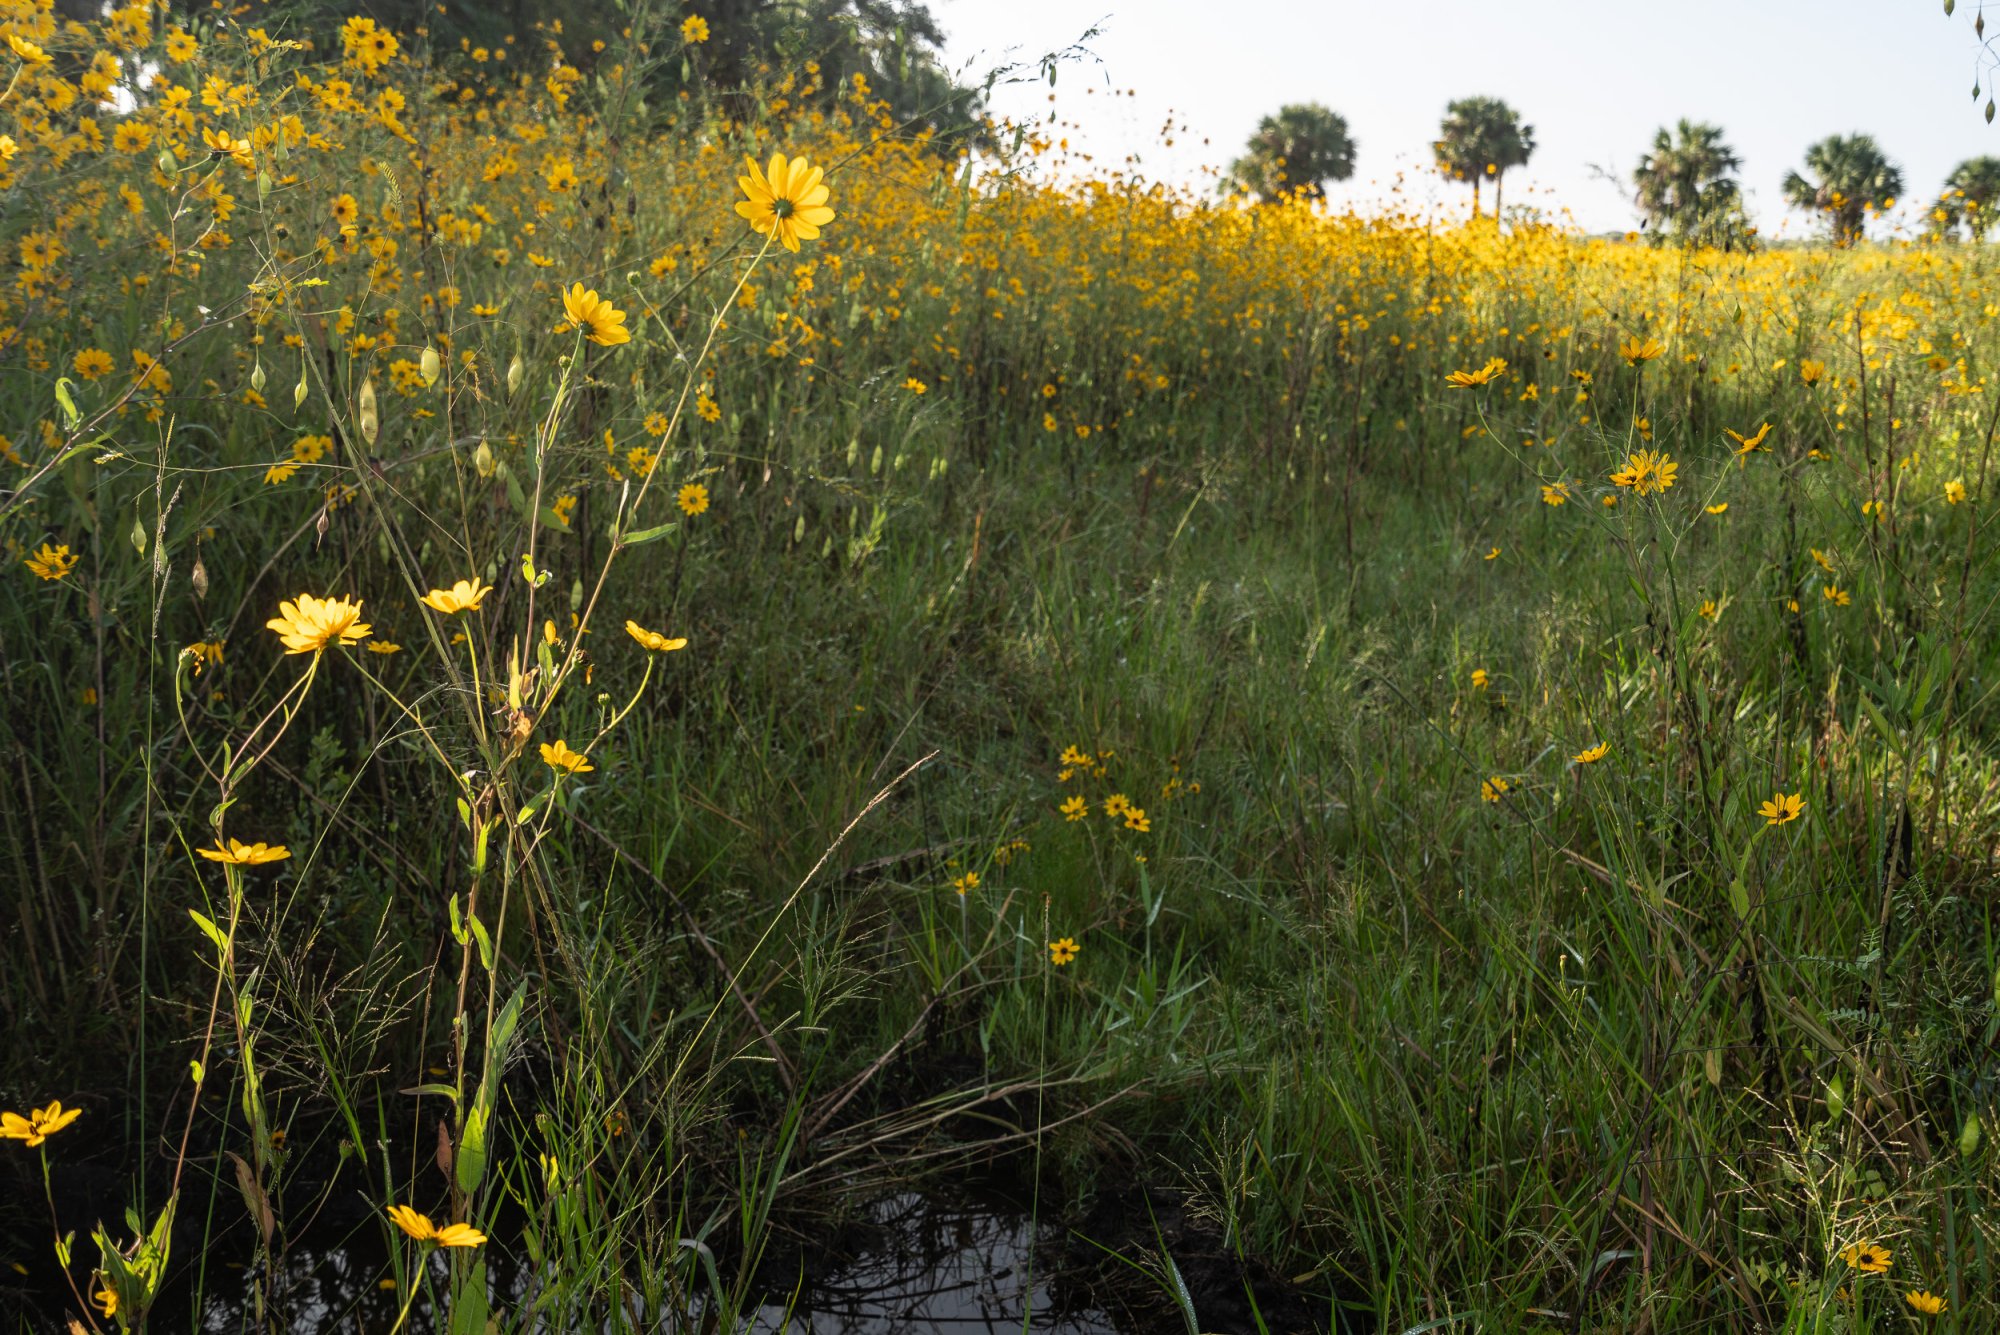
pixel 211 931
pixel 440 1091
pixel 470 1314
pixel 653 534
pixel 71 416
pixel 471 1163
pixel 500 1041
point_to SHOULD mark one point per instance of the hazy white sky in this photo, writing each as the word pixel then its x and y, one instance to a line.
pixel 1594 77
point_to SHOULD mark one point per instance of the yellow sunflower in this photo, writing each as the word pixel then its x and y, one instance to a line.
pixel 464 596
pixel 38 1125
pixel 601 322
pixel 559 756
pixel 652 639
pixel 422 1229
pixel 311 624
pixel 238 853
pixel 788 202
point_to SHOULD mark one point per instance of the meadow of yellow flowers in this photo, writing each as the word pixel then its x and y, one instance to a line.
pixel 598 670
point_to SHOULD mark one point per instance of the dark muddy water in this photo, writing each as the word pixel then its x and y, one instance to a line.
pixel 934 1266
pixel 916 1265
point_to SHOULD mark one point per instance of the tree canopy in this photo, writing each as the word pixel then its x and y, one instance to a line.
pixel 1482 137
pixel 1686 186
pixel 1294 153
pixel 1970 198
pixel 1850 175
pixel 896 45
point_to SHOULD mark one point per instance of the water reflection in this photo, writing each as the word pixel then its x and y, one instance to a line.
pixel 934 1267
pixel 919 1265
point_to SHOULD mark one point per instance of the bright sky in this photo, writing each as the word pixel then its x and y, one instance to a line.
pixel 1595 78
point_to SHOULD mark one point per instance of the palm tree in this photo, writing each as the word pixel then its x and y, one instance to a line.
pixel 1480 137
pixel 1971 196
pixel 1294 153
pixel 1854 176
pixel 1687 187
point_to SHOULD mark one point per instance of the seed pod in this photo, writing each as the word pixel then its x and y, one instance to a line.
pixel 138 536
pixel 430 365
pixel 199 577
pixel 300 390
pixel 1968 1137
pixel 799 530
pixel 364 408
pixel 257 376
pixel 482 459
pixel 514 372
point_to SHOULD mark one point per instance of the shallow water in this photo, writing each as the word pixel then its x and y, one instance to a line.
pixel 922 1264
pixel 936 1266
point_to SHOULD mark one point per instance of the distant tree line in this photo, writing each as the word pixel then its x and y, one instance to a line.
pixel 1685 186
pixel 896 45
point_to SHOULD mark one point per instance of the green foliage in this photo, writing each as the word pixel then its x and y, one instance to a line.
pixel 1480 138
pixel 1850 177
pixel 1687 187
pixel 1971 195
pixel 1294 153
